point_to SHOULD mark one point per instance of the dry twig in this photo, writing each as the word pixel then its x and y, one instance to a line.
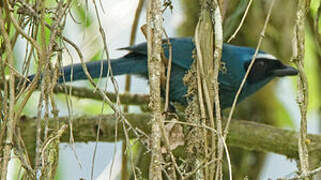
pixel 154 44
pixel 302 92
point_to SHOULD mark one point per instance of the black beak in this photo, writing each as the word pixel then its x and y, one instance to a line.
pixel 285 71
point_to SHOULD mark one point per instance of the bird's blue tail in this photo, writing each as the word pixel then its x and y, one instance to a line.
pixel 134 64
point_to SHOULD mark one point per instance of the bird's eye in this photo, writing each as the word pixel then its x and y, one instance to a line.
pixel 258 66
pixel 260 63
pixel 258 71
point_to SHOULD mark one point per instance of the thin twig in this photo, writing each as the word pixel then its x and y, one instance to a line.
pixel 57 135
pixel 18 74
pixel 193 125
pixel 248 69
pixel 241 23
pixel 203 115
pixel 68 91
pixel 302 92
pixel 124 170
pixel 11 122
pixel 20 30
pixel 308 174
pixel 169 69
pixel 201 166
pixel 132 41
pixel 104 97
pixel 228 158
pixel 103 36
pixel 218 34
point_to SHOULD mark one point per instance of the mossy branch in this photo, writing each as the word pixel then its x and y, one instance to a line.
pixel 243 134
pixel 83 92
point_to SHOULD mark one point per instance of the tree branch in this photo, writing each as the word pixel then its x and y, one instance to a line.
pixel 243 134
pixel 82 92
pixel 154 19
pixel 302 91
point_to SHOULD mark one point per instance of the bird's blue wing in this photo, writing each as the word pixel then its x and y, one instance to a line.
pixel 182 50
pixel 227 93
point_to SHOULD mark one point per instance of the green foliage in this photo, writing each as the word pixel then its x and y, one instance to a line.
pixel 83 17
pixel 312 68
pixel 264 105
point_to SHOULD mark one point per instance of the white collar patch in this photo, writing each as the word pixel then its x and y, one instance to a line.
pixel 265 56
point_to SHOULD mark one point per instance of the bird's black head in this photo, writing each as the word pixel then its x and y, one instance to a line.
pixel 268 67
pixel 236 61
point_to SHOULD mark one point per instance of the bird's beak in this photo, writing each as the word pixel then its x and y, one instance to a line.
pixel 285 71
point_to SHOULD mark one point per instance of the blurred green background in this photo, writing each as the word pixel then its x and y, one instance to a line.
pixel 275 104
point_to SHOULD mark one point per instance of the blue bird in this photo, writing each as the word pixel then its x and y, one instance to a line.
pixel 235 58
